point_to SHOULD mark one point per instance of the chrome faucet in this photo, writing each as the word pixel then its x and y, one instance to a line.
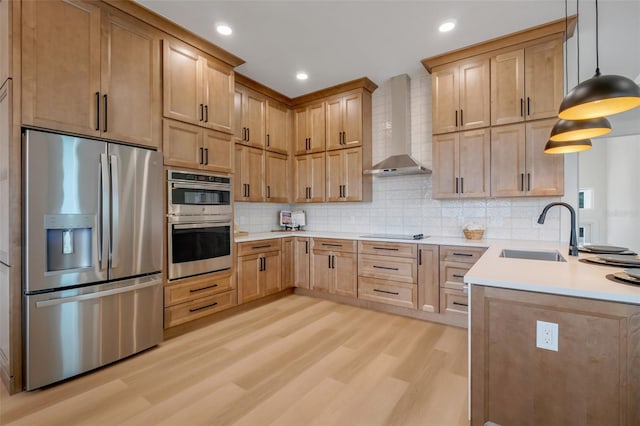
pixel 573 241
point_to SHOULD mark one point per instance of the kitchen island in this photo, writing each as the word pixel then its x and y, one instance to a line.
pixel 552 342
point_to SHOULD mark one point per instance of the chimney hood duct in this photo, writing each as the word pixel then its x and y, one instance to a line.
pixel 398 123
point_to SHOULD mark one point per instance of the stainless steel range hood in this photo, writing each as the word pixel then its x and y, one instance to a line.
pixel 398 122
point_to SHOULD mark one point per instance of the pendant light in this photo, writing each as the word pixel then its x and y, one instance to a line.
pixel 569 136
pixel 601 95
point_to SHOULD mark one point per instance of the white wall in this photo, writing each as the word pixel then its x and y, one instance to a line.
pixel 403 204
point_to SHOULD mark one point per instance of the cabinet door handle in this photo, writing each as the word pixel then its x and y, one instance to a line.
pixel 344 138
pixel 386 292
pixel 461 118
pixel 458 276
pixel 388 268
pixel 306 247
pixel 268 191
pixel 106 109
pixel 206 113
pixel 268 140
pixel 203 307
pixel 244 133
pixel 260 247
pixel 521 107
pixel 201 156
pixel 456 185
pixel 462 254
pixel 386 248
pixel 98 111
pixel 456 118
pixel 419 256
pixel 461 304
pixel 329 260
pixel 201 112
pixel 521 181
pixel 206 156
pixel 333 262
pixel 309 192
pixel 248 190
pixel 344 191
pixel 195 290
pixel 462 185
pixel 528 181
pixel 248 134
pixel 331 245
pixel 528 106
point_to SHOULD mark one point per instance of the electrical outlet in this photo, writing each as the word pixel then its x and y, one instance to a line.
pixel 547 335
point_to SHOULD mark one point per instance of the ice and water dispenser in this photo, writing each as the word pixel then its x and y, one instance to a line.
pixel 69 241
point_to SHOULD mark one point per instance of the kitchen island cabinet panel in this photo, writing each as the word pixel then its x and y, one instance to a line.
pixel 593 378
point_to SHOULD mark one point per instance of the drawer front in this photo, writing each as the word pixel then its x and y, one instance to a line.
pixel 261 246
pixel 189 311
pixel 454 302
pixel 388 268
pixel 344 246
pixel 461 254
pixel 387 249
pixel 452 274
pixel 392 293
pixel 196 288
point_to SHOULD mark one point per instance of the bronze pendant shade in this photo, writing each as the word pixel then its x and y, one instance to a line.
pixel 599 96
pixel 553 147
pixel 573 130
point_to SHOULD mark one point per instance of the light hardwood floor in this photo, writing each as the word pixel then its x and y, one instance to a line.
pixel 295 361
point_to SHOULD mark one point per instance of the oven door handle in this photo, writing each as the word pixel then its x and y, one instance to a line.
pixel 208 186
pixel 199 225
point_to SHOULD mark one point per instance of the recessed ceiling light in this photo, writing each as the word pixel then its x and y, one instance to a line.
pixel 224 29
pixel 447 26
pixel 302 75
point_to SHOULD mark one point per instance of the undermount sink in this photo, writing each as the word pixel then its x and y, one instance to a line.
pixel 550 256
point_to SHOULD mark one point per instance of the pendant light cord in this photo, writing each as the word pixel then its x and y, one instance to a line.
pixel 597 41
pixel 566 42
pixel 578 40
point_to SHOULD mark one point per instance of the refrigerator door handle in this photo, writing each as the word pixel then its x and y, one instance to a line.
pixel 62 300
pixel 115 212
pixel 103 210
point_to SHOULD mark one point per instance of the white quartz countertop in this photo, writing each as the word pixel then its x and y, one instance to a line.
pixel 570 278
pixel 360 236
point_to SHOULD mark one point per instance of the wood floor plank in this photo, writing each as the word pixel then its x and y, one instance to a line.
pixel 294 361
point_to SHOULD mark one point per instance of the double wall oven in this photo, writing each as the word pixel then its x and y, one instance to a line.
pixel 200 223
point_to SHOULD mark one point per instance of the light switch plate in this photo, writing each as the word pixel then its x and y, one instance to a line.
pixel 547 335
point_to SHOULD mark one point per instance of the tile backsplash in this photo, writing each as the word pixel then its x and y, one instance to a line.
pixel 403 204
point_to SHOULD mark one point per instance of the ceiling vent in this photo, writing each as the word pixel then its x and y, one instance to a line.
pixel 398 146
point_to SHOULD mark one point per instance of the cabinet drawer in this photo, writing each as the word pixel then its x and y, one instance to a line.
pixel 260 246
pixel 387 249
pixel 388 268
pixel 452 274
pixel 190 311
pixel 196 288
pixel 461 254
pixel 453 301
pixel 345 246
pixel 392 293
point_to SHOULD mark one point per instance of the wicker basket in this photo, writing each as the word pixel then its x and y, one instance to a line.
pixel 473 234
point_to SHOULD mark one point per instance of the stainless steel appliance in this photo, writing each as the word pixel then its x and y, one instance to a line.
pixel 200 223
pixel 93 254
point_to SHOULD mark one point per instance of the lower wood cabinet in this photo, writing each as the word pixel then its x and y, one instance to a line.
pixel 302 262
pixel 388 273
pixel 592 379
pixel 192 298
pixel 429 278
pixel 334 266
pixel 259 269
pixel 288 262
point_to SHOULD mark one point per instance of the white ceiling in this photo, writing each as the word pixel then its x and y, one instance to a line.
pixel 338 41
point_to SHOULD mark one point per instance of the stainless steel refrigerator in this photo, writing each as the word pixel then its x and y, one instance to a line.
pixel 92 283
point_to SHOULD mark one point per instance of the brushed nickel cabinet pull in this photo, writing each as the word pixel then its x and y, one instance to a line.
pixel 203 307
pixel 195 290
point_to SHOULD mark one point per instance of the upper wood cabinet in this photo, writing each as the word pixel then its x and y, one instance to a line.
pixel 278 125
pixel 249 174
pixel 186 145
pixel 97 75
pixel 461 98
pixel 344 121
pixel 463 164
pixel 249 112
pixel 527 83
pixel 519 166
pixel 309 178
pixel 344 175
pixel 309 125
pixel 198 88
pixel 277 177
